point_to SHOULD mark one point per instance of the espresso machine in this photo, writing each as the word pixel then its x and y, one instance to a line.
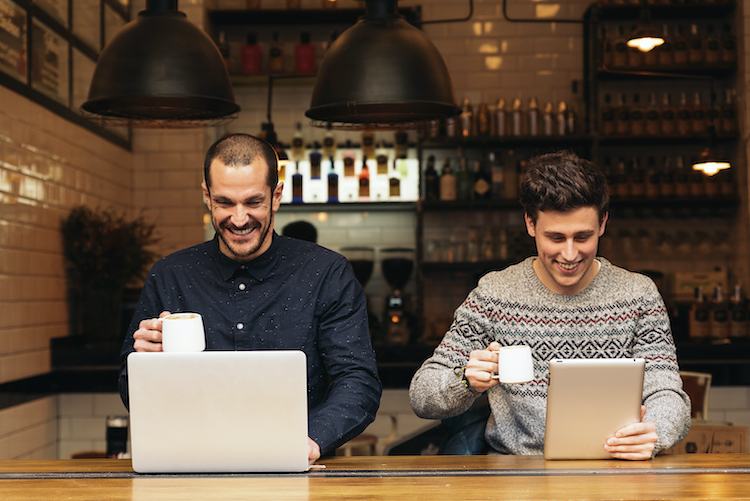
pixel 397 265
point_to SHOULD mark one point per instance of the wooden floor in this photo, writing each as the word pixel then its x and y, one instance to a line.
pixel 409 478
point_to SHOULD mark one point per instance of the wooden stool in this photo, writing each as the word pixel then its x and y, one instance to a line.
pixel 360 442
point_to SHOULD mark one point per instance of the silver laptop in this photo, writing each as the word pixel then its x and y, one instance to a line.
pixel 218 411
pixel 588 400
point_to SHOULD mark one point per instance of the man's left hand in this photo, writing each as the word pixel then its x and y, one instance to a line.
pixel 635 441
pixel 313 450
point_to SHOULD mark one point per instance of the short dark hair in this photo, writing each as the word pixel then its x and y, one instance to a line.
pixel 562 181
pixel 237 150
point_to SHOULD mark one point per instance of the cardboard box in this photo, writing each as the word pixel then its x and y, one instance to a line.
pixel 707 438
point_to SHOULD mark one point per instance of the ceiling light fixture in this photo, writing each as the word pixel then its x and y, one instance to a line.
pixel 160 70
pixel 646 36
pixel 382 73
pixel 710 160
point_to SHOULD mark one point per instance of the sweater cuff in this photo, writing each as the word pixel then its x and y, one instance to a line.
pixel 460 372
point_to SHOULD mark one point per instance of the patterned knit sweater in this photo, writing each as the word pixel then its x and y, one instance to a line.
pixel 619 315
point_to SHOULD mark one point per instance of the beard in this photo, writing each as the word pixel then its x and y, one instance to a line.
pixel 245 251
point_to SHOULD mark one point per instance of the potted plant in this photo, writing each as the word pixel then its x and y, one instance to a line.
pixel 104 252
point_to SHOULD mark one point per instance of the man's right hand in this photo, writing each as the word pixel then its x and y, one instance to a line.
pixel 148 335
pixel 482 365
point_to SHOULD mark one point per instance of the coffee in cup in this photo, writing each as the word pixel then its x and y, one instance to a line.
pixel 182 332
pixel 514 365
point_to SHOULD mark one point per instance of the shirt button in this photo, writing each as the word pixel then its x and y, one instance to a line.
pixel 240 326
pixel 242 287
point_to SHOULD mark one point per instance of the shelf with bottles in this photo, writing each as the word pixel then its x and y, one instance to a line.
pixel 330 16
pixel 615 10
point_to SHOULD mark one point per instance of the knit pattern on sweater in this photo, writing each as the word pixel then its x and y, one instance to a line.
pixel 619 315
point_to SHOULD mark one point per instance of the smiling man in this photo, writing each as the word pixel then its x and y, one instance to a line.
pixel 257 290
pixel 565 302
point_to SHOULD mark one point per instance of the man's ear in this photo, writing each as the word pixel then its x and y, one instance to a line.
pixel 206 195
pixel 603 224
pixel 530 228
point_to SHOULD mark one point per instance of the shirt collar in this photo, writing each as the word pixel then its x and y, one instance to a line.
pixel 258 268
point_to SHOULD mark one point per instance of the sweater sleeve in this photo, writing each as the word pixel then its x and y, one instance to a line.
pixel 667 405
pixel 437 390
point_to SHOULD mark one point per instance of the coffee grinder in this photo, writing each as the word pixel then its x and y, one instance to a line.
pixel 397 265
pixel 362 260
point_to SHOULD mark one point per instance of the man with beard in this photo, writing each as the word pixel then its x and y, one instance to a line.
pixel 257 290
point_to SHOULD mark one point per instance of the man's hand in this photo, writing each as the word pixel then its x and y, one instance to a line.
pixel 482 365
pixel 313 451
pixel 635 441
pixel 148 335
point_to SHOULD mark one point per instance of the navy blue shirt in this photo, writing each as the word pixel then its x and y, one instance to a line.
pixel 297 295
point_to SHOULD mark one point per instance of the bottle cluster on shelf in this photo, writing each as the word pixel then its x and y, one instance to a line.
pixel 719 319
pixel 695 46
pixel 480 178
pixel 331 173
pixel 632 115
pixel 663 177
pixel 478 244
pixel 502 119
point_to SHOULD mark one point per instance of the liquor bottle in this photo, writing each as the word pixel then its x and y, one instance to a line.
pixel 609 173
pixel 728 45
pixel 698 184
pixel 482 182
pixel 653 178
pixel 329 142
pixel 682 178
pixel 431 181
pixel 464 182
pixel 498 178
pixel 381 158
pixel 250 56
pixel 501 119
pixel 713 114
pixel 666 59
pixel 713 46
pixel 607 115
pixel 727 182
pixel 620 46
pixel 637 117
pixel 447 182
pixel 680 48
pixel 667 178
pixel 368 143
pixel 348 157
pixel 298 144
pixel 364 181
pixel 684 117
pixel 483 120
pixel 401 144
pixel 466 118
pixel 622 117
pixel 570 121
pixel 719 319
pixel 276 55
pixel 698 116
pixel 511 179
pixel 668 117
pixel 394 180
pixel 738 316
pixel 304 55
pixel 635 55
pixel 450 127
pixel 547 121
pixel 728 114
pixel 608 51
pixel 561 120
pixel 224 50
pixel 637 178
pixel 653 126
pixel 517 122
pixel 521 169
pixel 696 47
pixel 622 186
pixel 315 161
pixel 333 184
pixel 533 117
pixel 699 317
pixel 297 185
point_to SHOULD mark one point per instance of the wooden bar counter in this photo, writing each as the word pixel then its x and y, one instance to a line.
pixel 688 476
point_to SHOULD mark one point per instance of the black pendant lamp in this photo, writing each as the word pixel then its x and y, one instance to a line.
pixel 382 73
pixel 160 70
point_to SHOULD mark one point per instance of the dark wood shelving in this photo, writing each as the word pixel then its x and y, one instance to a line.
pixel 677 12
pixel 509 142
pixel 279 17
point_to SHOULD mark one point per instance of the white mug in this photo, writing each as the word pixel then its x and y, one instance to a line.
pixel 514 365
pixel 182 332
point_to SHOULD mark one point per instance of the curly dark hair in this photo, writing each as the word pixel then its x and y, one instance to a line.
pixel 562 181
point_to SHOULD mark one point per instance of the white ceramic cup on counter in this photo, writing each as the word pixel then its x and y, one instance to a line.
pixel 182 332
pixel 514 365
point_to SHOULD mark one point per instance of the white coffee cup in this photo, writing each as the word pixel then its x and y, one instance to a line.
pixel 183 332
pixel 514 365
